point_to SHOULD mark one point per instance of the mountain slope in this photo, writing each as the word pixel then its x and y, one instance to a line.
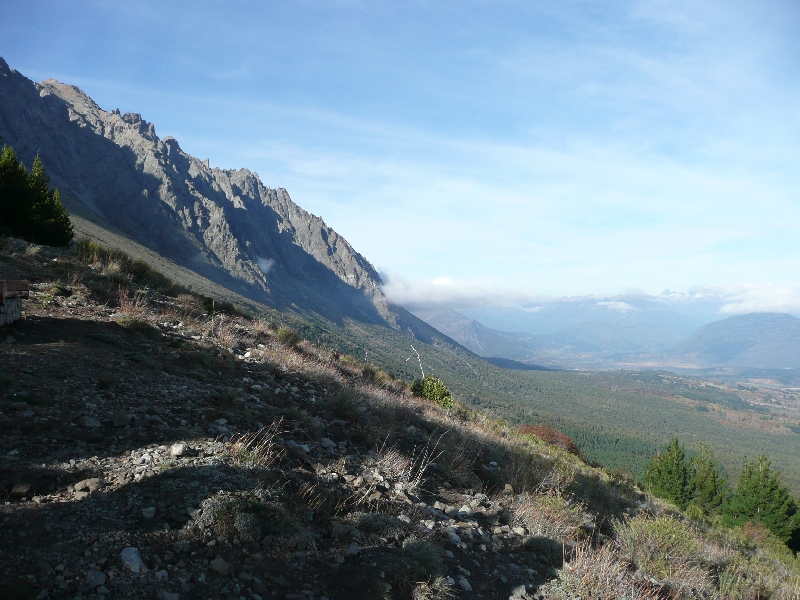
pixel 223 224
pixel 473 335
pixel 758 340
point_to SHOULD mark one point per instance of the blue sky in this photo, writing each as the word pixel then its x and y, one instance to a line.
pixel 482 151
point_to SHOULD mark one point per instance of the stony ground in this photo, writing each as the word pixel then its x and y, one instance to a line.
pixel 149 453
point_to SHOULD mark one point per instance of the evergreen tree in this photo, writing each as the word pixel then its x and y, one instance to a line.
pixel 30 209
pixel 50 221
pixel 708 487
pixel 668 473
pixel 13 190
pixel 761 497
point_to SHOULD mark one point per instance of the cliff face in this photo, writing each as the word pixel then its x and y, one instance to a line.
pixel 224 224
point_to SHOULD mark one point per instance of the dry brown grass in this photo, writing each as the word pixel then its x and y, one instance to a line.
pixel 135 306
pixel 600 574
pixel 548 515
pixel 435 589
pixel 256 448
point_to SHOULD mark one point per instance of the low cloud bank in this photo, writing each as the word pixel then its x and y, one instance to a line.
pixel 722 299
pixel 744 298
pixel 444 292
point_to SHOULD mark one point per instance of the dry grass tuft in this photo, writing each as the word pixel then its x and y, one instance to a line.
pixel 600 574
pixel 548 515
pixel 136 306
pixel 256 448
pixel 436 589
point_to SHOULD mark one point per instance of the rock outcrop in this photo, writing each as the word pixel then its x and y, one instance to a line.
pixel 224 224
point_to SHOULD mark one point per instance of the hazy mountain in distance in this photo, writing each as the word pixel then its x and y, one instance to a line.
pixel 559 314
pixel 757 340
pixel 631 323
pixel 474 336
pixel 225 225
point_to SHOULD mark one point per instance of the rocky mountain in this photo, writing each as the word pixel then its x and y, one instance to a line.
pixel 758 340
pixel 225 225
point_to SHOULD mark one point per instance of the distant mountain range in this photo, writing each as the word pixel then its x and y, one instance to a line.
pixel 625 331
pixel 758 340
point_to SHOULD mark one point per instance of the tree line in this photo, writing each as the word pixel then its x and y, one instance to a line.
pixel 29 209
pixel 698 486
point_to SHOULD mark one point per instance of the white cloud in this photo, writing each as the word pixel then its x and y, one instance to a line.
pixel 265 264
pixel 744 298
pixel 616 305
pixel 447 292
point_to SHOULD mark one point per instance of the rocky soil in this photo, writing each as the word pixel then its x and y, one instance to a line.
pixel 154 451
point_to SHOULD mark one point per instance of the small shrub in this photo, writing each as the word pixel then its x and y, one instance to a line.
pixel 215 305
pixel 344 406
pixel 548 515
pixel 59 289
pixel 664 548
pixel 425 556
pixel 433 389
pixel 288 337
pixel 140 326
pixel 377 524
pixel 598 574
pixel 548 434
pixel 375 375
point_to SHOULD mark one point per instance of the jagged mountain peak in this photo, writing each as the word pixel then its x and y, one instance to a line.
pixel 224 223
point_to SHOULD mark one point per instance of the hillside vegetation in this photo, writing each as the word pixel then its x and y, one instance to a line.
pixel 156 450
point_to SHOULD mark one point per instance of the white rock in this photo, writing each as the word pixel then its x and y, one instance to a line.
pixel 466 511
pixel 518 592
pixel 179 449
pixel 132 560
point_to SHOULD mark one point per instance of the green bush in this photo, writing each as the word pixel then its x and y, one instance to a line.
pixel 215 305
pixel 288 337
pixel 118 266
pixel 30 209
pixel 433 389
